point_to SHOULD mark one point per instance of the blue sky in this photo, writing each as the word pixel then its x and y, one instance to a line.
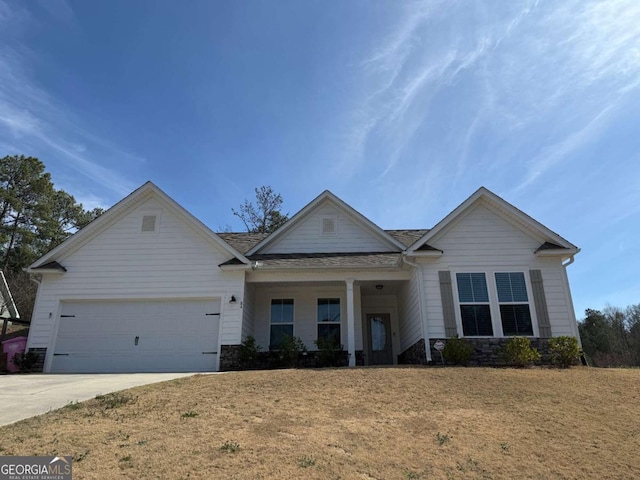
pixel 403 109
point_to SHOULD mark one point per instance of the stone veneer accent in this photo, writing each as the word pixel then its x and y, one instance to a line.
pixel 486 351
pixel 230 359
pixel 38 367
pixel 414 355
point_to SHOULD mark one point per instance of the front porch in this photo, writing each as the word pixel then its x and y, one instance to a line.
pixel 366 317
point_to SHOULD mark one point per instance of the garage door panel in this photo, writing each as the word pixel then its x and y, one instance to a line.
pixel 100 336
pixel 95 344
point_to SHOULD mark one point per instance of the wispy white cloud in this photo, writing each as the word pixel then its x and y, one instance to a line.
pixel 490 94
pixel 32 118
pixel 555 153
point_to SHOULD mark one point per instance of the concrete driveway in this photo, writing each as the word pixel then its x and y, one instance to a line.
pixel 24 396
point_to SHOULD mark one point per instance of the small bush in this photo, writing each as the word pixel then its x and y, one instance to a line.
pixel 189 414
pixel 564 351
pixel 229 446
pixel 249 353
pixel 25 361
pixel 329 352
pixel 290 350
pixel 517 351
pixel 458 351
pixel 71 406
pixel 115 400
pixel 306 461
pixel 442 438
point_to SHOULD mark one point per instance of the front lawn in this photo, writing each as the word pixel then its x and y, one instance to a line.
pixel 369 423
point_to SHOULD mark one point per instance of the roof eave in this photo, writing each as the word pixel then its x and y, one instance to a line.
pixel 324 267
pixel 425 253
pixel 234 268
pixel 348 209
pixel 557 252
pixel 56 271
pixel 484 193
pixel 112 214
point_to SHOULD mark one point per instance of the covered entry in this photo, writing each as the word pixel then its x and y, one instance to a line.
pixel 137 336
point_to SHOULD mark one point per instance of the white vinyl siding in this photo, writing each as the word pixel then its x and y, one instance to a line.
pixel 307 236
pixel 409 312
pixel 482 240
pixel 123 263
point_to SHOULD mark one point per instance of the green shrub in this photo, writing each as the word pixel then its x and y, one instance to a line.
pixel 290 350
pixel 517 351
pixel 115 400
pixel 249 353
pixel 329 352
pixel 25 361
pixel 230 446
pixel 458 351
pixel 564 350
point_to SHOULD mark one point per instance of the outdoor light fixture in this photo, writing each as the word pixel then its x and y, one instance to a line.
pixel 233 299
pixel 379 287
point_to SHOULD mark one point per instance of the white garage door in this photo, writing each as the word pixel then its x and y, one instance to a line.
pixel 137 336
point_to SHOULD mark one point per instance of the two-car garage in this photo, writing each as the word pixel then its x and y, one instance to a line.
pixel 137 336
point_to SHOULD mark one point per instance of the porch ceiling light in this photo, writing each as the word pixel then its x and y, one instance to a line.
pixel 379 287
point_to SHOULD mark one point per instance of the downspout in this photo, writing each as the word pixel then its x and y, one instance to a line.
pixel 37 279
pixel 572 311
pixel 423 312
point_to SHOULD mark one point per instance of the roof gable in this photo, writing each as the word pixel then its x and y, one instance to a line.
pixel 508 212
pixel 117 212
pixel 327 224
pixel 7 305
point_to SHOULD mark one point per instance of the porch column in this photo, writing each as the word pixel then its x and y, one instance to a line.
pixel 351 324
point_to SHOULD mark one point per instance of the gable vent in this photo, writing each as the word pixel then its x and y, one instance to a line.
pixel 328 226
pixel 149 223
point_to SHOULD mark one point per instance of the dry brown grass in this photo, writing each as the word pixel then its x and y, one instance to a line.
pixel 387 423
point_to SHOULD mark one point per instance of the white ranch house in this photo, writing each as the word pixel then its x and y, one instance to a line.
pixel 148 287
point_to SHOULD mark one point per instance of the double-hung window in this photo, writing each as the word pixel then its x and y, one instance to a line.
pixel 329 319
pixel 281 320
pixel 514 304
pixel 475 308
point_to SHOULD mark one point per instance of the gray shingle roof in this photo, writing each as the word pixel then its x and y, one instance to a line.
pixel 408 237
pixel 325 260
pixel 242 241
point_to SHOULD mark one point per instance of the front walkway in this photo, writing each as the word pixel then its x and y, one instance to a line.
pixel 24 396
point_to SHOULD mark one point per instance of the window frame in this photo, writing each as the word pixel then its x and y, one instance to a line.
pixel 494 304
pixel 273 347
pixel 529 302
pixel 473 303
pixel 339 323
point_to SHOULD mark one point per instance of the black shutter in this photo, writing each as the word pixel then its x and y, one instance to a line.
pixel 540 301
pixel 448 306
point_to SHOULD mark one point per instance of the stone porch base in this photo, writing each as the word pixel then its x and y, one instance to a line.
pixel 230 360
pixel 485 352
